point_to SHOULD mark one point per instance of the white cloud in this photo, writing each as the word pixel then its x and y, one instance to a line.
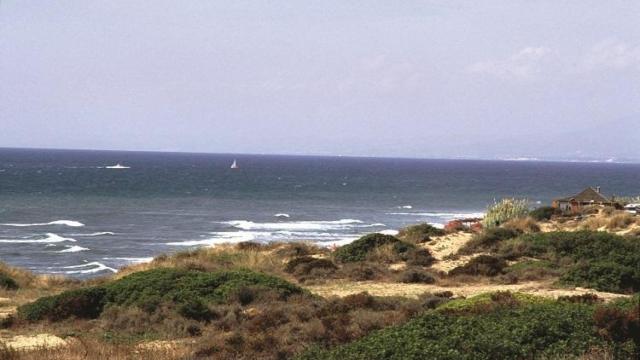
pixel 611 54
pixel 523 65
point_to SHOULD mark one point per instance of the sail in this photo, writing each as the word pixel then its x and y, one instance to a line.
pixel 234 165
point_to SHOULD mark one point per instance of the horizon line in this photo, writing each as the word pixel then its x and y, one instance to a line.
pixel 520 159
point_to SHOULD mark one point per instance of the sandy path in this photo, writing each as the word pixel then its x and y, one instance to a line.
pixel 27 342
pixel 443 246
pixel 344 288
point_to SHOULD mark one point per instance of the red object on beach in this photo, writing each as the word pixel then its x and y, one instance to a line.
pixel 476 227
pixel 454 225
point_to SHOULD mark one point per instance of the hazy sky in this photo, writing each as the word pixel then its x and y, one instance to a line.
pixel 448 78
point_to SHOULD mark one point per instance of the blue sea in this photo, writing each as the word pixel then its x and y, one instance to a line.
pixel 77 213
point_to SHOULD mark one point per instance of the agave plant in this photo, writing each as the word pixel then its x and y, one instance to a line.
pixel 505 210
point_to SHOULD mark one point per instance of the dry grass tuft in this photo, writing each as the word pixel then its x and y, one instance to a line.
pixel 524 225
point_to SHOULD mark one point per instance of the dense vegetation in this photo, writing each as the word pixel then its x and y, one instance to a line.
pixel 598 260
pixel 501 326
pixel 543 213
pixel 383 248
pixel 419 233
pixel 147 290
pixel 7 282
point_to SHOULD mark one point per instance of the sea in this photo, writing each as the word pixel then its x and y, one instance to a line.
pixel 89 213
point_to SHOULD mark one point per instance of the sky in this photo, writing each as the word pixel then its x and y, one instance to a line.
pixel 426 79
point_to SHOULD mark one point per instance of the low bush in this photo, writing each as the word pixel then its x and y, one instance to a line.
pixel 544 213
pixel 82 303
pixel 489 240
pixel 419 257
pixel 420 233
pixel 363 271
pixel 484 265
pixel 581 299
pixel 598 260
pixel 148 289
pixel 522 225
pixel 411 276
pixel 361 248
pixel 7 282
pixel 621 221
pixel 309 267
pixel 520 331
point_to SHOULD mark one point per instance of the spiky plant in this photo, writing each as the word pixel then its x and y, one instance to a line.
pixel 505 210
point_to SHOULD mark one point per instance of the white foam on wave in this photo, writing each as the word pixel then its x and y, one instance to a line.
pixel 50 238
pixel 87 268
pixel 282 215
pixel 405 207
pixel 74 248
pixel 444 215
pixel 389 232
pixel 70 223
pixel 222 237
pixel 132 260
pixel 340 242
pixel 233 237
pixel 295 225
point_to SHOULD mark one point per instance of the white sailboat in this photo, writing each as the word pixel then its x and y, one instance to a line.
pixel 117 166
pixel 235 164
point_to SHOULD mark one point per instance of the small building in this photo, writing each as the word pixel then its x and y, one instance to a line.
pixel 589 196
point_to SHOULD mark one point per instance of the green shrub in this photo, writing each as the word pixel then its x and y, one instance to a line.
pixel 186 289
pixel 7 283
pixel 82 303
pixel 543 213
pixel 527 331
pixel 412 276
pixel 488 240
pixel 304 265
pixel 598 260
pixel 420 233
pixel 361 248
pixel 604 276
pixel 195 309
pixel 505 210
pixel 484 265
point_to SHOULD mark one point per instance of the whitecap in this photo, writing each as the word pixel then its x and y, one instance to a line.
pixel 50 238
pixel 220 238
pixel 72 249
pixel 444 215
pixel 132 260
pixel 282 215
pixel 389 232
pixel 295 225
pixel 405 207
pixel 340 242
pixel 70 223
pixel 97 267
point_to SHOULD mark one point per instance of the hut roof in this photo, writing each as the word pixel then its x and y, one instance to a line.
pixel 588 195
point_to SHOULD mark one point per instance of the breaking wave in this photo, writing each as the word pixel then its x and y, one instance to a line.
pixel 444 215
pixel 88 268
pixel 74 248
pixel 49 238
pixel 131 260
pixel 70 223
pixel 297 225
